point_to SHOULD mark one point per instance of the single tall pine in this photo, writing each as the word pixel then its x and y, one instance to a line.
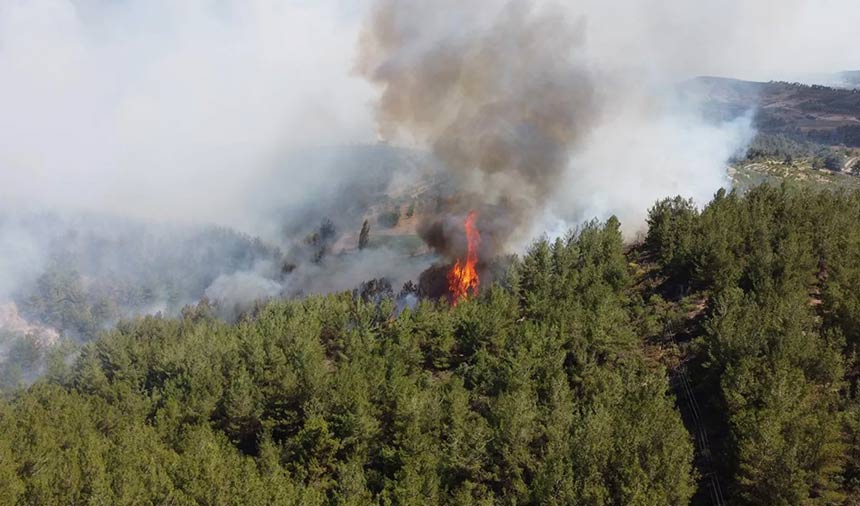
pixel 364 235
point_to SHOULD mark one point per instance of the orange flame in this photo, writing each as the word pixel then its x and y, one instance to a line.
pixel 463 277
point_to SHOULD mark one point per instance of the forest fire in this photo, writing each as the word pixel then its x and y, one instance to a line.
pixel 463 276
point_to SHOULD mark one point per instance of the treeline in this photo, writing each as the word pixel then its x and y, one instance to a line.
pixel 95 270
pixel 778 347
pixel 790 148
pixel 778 124
pixel 86 273
pixel 551 387
pixel 537 392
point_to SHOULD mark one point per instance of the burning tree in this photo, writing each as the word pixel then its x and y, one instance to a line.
pixel 463 277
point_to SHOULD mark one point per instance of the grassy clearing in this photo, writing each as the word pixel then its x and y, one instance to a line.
pixel 799 172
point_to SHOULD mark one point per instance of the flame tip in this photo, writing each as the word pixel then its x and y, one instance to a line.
pixel 463 277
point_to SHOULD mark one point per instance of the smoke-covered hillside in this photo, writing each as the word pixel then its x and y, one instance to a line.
pixel 812 113
pixel 400 252
pixel 714 363
pixel 345 183
pixel 67 276
pixel 74 276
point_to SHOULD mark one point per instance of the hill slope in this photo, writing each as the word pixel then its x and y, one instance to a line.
pixel 808 112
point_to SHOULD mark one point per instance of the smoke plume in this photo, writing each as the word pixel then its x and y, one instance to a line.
pixel 556 114
pixel 165 110
pixel 156 152
pixel 501 96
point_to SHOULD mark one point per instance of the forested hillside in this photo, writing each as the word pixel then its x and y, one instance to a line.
pixel 813 113
pixel 538 392
pixel 773 279
pixel 719 354
pixel 65 279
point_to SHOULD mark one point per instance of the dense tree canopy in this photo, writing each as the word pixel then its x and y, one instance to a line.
pixel 777 351
pixel 581 376
pixel 535 393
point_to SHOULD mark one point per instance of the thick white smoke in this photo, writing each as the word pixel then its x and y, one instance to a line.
pixel 169 110
pixel 172 109
pixel 649 143
pixel 176 111
pixel 746 39
pixel 645 148
pixel 459 79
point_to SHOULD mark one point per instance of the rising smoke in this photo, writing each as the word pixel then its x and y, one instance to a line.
pixel 508 97
pixel 500 96
pixel 555 114
pixel 130 128
pixel 165 110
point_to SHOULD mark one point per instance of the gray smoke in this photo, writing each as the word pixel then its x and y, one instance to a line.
pixel 558 113
pixel 236 291
pixel 500 95
pixel 138 124
pixel 169 110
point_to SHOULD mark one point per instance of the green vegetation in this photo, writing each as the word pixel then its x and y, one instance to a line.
pixel 551 387
pixel 775 158
pixel 776 350
pixel 798 174
pixel 766 147
pixel 536 393
pixel 99 270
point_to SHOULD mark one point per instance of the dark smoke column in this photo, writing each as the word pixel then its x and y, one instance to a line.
pixel 494 89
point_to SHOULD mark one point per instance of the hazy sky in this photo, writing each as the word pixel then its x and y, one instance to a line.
pixel 170 109
pixel 753 39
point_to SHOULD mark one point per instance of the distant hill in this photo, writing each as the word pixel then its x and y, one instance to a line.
pixel 815 113
pixel 848 79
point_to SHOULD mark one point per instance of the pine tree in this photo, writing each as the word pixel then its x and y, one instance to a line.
pixel 364 235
